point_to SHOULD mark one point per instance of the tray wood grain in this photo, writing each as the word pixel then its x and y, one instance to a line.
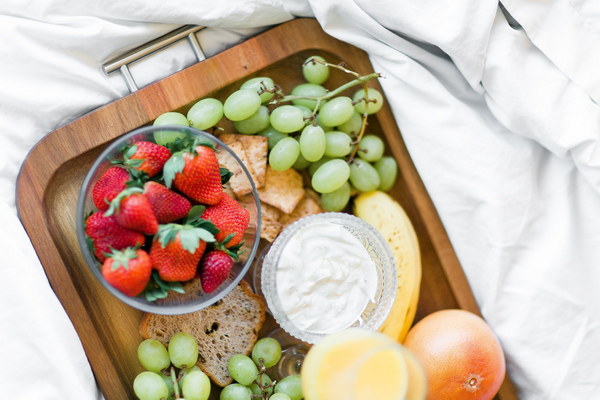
pixel 51 176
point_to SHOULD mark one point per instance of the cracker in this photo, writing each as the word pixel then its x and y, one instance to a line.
pixel 307 206
pixel 270 226
pixel 239 182
pixel 283 189
pixel 253 154
pixel 256 148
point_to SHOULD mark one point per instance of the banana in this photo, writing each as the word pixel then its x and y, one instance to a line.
pixel 390 219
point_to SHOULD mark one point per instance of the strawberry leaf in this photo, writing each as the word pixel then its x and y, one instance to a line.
pixel 173 166
pixel 167 233
pixel 129 151
pixel 225 175
pixel 159 289
pixel 190 237
pixel 180 144
pixel 116 202
pixel 205 224
pixel 195 213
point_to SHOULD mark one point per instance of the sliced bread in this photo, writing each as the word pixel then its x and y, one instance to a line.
pixel 229 327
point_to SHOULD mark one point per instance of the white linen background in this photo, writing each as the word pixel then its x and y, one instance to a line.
pixel 503 125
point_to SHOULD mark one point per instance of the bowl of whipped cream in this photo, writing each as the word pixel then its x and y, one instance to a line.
pixel 328 272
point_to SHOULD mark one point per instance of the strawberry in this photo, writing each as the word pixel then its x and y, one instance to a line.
pixel 167 205
pixel 133 210
pixel 177 249
pixel 230 218
pixel 110 184
pixel 106 234
pixel 216 267
pixel 128 270
pixel 146 157
pixel 196 174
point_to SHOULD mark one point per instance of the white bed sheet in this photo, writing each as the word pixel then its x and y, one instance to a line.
pixel 502 124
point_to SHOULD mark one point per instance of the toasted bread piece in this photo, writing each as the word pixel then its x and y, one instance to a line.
pixel 229 327
pixel 307 206
pixel 283 189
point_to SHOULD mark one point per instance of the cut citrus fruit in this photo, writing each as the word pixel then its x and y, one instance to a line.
pixel 357 364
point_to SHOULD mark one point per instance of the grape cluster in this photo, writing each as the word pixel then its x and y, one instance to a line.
pixel 252 381
pixel 171 372
pixel 321 131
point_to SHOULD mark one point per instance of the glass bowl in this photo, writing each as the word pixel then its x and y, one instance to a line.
pixel 194 299
pixel 375 312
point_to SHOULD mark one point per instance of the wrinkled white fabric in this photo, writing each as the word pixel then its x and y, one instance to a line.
pixel 501 122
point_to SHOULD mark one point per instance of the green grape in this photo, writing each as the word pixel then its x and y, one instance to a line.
pixel 308 90
pixel 336 200
pixel 242 369
pixel 255 123
pixel 363 176
pixel 290 385
pixel 330 176
pixel 153 355
pixel 268 349
pixel 388 170
pixel 264 380
pixel 280 396
pixel 315 72
pixel 287 119
pixel 273 135
pixel 312 168
pixel 150 386
pixel 196 386
pixel 352 126
pixel 186 372
pixel 301 163
pixel 183 350
pixel 259 84
pixel 370 148
pixel 241 104
pixel 305 111
pixel 325 128
pixel 312 143
pixel 337 144
pixel 375 101
pixel 235 391
pixel 284 154
pixel 170 386
pixel 205 114
pixel 336 111
pixel 170 118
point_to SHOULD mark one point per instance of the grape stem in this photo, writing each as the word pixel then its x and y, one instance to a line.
pixel 361 80
pixel 175 380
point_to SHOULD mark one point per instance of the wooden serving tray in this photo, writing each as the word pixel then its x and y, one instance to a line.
pixel 51 176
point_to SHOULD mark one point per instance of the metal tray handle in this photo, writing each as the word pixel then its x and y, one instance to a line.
pixel 122 62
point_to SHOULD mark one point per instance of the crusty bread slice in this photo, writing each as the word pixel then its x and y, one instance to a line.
pixel 229 327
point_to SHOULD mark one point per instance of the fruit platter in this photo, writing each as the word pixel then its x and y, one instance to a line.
pixel 305 146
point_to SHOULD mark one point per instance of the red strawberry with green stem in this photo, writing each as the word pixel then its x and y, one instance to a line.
pixel 167 205
pixel 106 234
pixel 230 218
pixel 146 157
pixel 196 174
pixel 128 270
pixel 177 249
pixel 132 210
pixel 215 269
pixel 112 182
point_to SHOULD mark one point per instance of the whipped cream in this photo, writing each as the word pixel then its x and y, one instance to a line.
pixel 325 278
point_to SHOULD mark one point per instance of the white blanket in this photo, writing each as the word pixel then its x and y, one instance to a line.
pixel 502 122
